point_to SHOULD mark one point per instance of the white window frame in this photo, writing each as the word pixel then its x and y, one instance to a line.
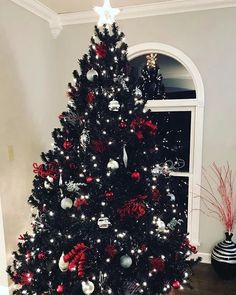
pixel 196 107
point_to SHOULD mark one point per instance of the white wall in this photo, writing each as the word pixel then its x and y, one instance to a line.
pixel 208 38
pixel 28 112
pixel 35 69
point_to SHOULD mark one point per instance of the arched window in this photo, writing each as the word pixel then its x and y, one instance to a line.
pixel 185 102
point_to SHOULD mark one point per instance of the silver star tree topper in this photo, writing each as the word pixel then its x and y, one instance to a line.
pixel 106 13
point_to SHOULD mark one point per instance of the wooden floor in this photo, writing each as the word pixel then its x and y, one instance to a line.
pixel 206 282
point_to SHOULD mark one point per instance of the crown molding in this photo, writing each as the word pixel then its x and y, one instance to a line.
pixel 57 21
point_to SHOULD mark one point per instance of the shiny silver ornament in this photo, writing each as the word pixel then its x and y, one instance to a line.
pixel 161 225
pixel 50 179
pixel 138 93
pixel 91 74
pixel 172 196
pixel 113 165
pixel 84 139
pixel 87 287
pixel 63 266
pixel 126 261
pixel 125 156
pixel 114 105
pixel 66 203
pixel 72 186
pixel 103 222
pixel 172 224
pixel 156 170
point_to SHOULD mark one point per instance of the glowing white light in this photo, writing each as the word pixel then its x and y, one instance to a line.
pixel 106 13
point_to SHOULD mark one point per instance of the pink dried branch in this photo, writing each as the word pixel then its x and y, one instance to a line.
pixel 219 200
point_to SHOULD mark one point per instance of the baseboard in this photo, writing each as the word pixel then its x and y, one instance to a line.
pixel 4 290
pixel 206 257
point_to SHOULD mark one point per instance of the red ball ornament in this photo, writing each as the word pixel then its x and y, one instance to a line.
pixel 122 124
pixel 111 251
pixel 109 195
pixel 41 256
pixel 193 249
pixel 90 97
pixel 155 194
pixel 89 179
pixel 175 284
pixel 136 176
pixel 67 144
pixel 60 289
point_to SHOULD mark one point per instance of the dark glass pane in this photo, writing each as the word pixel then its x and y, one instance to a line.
pixel 175 128
pixel 178 83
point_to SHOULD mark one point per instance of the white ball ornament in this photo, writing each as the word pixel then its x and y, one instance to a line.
pixel 66 203
pixel 113 165
pixel 87 287
pixel 63 266
pixel 91 74
pixel 126 261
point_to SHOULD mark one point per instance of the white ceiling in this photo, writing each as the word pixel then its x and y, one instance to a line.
pixel 67 6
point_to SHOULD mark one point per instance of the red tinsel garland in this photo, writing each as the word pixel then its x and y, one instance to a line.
pixel 77 257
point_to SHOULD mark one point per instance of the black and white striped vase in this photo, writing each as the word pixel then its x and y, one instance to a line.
pixel 223 258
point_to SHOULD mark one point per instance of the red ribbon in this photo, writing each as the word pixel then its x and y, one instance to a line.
pixel 135 207
pixel 157 264
pixel 101 50
pixel 140 126
pixel 52 170
pixel 77 257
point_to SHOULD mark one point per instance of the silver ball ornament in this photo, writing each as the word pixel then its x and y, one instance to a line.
pixel 91 74
pixel 66 203
pixel 126 261
pixel 114 105
pixel 113 165
pixel 88 287
pixel 138 93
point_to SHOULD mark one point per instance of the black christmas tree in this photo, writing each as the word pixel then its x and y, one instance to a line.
pixel 106 222
pixel 151 81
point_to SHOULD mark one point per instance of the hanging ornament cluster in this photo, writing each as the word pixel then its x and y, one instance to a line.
pixel 114 105
pixel 101 50
pixel 75 258
pixel 133 208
